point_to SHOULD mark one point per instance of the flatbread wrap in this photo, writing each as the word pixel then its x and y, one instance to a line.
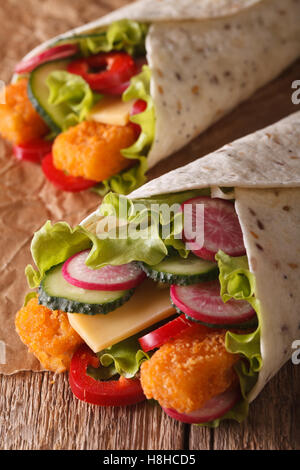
pixel 119 94
pixel 185 291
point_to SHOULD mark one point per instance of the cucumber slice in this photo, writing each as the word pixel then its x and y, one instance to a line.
pixel 38 93
pixel 57 294
pixel 180 271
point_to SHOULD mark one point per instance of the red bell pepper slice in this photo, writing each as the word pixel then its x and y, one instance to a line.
pixel 33 151
pixel 120 392
pixel 62 181
pixel 54 53
pixel 105 72
pixel 138 107
pixel 155 339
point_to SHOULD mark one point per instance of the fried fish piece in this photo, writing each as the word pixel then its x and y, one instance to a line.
pixel 189 370
pixel 48 335
pixel 93 150
pixel 19 121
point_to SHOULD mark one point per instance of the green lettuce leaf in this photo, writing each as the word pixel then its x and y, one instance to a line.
pixel 141 236
pixel 238 282
pixel 124 35
pixel 123 358
pixel 72 94
pixel 128 180
pixel 53 244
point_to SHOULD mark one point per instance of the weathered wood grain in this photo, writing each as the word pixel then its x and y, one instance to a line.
pixel 273 422
pixel 37 413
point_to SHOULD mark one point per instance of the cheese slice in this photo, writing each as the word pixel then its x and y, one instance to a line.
pixel 111 110
pixel 148 305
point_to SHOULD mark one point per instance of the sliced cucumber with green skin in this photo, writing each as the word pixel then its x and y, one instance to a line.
pixel 247 325
pixel 57 294
pixel 180 271
pixel 38 93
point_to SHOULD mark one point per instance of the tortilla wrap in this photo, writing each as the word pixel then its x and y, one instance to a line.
pixel 264 170
pixel 206 57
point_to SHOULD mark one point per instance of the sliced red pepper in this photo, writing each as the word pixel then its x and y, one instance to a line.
pixel 104 393
pixel 119 89
pixel 54 53
pixel 138 107
pixel 62 181
pixel 113 69
pixel 162 335
pixel 33 151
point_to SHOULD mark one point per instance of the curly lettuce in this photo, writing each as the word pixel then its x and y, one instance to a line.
pixel 123 35
pixel 53 244
pixel 72 94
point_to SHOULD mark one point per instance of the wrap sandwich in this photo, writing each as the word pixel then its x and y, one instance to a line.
pixel 185 291
pixel 107 101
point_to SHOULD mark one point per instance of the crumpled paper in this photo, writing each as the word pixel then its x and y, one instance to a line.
pixel 27 200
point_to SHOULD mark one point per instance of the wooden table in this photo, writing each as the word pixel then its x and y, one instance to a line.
pixel 37 410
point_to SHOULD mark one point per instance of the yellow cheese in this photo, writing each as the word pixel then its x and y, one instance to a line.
pixel 148 305
pixel 111 110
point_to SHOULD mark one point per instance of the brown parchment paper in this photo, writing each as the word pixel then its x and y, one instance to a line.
pixel 27 200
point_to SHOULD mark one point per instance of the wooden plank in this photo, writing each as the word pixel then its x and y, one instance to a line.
pixel 273 422
pixel 38 414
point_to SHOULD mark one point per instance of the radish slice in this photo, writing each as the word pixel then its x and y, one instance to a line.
pixel 222 229
pixel 108 278
pixel 215 408
pixel 55 53
pixel 202 302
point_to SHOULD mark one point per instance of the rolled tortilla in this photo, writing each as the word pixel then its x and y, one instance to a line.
pixel 206 57
pixel 263 170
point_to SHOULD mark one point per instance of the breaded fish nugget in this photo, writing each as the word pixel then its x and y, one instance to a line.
pixel 189 370
pixel 48 335
pixel 19 121
pixel 93 150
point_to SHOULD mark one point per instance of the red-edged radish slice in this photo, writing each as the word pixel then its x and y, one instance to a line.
pixel 202 302
pixel 215 408
pixel 221 225
pixel 108 278
pixel 158 337
pixel 55 53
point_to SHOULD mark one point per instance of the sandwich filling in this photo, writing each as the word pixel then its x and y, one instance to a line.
pixel 83 109
pixel 159 294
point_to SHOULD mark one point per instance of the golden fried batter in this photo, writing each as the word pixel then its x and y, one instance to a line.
pixel 48 335
pixel 93 150
pixel 189 370
pixel 19 121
